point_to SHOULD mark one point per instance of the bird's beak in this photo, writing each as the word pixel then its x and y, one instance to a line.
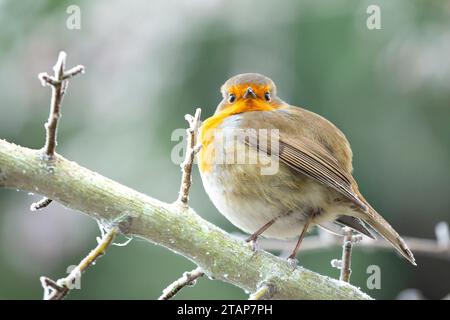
pixel 249 93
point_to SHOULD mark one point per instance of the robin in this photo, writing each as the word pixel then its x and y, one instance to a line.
pixel 312 183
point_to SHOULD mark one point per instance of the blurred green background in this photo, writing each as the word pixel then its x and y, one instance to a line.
pixel 150 62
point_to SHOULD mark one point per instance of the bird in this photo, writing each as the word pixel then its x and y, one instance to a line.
pixel 276 170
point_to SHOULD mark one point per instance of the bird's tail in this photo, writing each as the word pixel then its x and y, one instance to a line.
pixel 377 222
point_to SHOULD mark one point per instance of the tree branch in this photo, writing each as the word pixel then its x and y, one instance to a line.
pixel 52 290
pixel 188 279
pixel 59 289
pixel 346 269
pixel 191 150
pixel 264 292
pixel 217 253
pixel 59 85
pixel 44 202
pixel 345 263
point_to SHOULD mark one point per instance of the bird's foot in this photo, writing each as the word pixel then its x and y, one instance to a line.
pixel 252 240
pixel 293 262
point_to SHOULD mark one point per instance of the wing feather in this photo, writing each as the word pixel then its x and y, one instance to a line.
pixel 314 161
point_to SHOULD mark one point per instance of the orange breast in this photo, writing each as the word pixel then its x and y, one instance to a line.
pixel 210 126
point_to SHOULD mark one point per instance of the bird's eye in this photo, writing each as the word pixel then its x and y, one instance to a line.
pixel 267 96
pixel 231 97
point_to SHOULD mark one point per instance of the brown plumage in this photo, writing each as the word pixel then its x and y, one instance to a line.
pixel 313 183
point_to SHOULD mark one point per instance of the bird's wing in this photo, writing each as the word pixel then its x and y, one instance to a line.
pixel 314 161
pixel 335 227
pixel 356 224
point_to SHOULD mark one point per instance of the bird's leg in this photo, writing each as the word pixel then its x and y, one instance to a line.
pixel 254 237
pixel 292 258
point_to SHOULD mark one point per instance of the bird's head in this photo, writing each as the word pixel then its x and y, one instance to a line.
pixel 248 92
pixel 242 93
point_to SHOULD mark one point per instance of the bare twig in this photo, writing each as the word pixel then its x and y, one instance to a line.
pixel 53 291
pixel 44 202
pixel 191 150
pixel 41 204
pixel 345 263
pixel 264 292
pixel 188 279
pixel 72 72
pixel 59 85
pixel 442 233
pixel 59 289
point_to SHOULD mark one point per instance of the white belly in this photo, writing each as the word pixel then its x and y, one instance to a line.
pixel 250 204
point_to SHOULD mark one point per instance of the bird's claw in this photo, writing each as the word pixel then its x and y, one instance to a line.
pixel 253 243
pixel 293 262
